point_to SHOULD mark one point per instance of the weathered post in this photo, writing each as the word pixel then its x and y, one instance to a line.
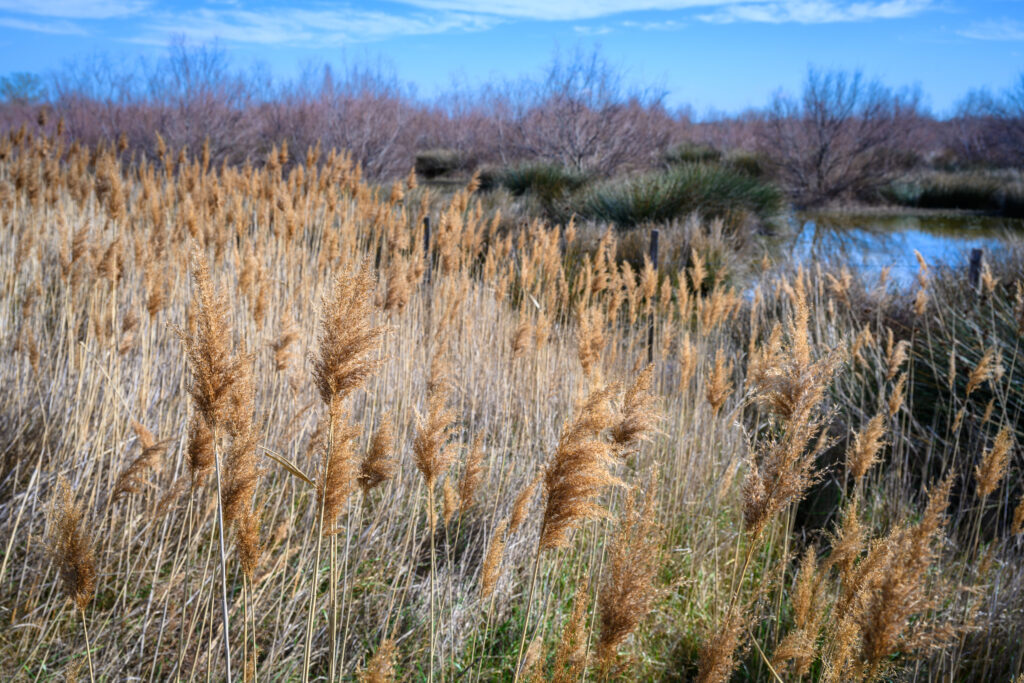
pixel 974 268
pixel 426 248
pixel 650 322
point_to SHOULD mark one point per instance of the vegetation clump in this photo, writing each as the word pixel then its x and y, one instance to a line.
pixel 491 451
pixel 713 191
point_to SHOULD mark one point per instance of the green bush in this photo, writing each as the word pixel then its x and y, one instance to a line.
pixel 974 192
pixel 749 163
pixel 433 163
pixel 1000 193
pixel 548 181
pixel 711 190
pixel 691 153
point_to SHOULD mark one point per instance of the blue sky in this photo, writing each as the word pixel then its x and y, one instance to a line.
pixel 724 55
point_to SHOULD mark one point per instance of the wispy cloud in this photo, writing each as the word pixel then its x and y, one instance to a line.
pixel 815 11
pixel 666 25
pixel 561 10
pixel 592 30
pixel 774 11
pixel 60 28
pixel 1007 29
pixel 75 9
pixel 311 28
pixel 321 25
pixel 603 29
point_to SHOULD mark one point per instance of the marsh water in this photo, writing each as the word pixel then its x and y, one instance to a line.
pixel 871 242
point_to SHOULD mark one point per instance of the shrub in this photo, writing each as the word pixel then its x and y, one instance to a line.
pixel 959 192
pixel 1001 193
pixel 841 138
pixel 711 190
pixel 434 163
pixel 581 114
pixel 692 153
pixel 547 181
pixel 743 161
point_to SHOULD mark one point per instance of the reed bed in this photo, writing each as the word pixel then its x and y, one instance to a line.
pixel 251 425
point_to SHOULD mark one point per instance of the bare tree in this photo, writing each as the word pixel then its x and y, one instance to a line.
pixel 989 128
pixel 841 138
pixel 1011 113
pixel 22 88
pixel 200 99
pixel 189 96
pixel 361 108
pixel 580 115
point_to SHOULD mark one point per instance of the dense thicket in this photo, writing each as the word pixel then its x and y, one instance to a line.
pixel 839 138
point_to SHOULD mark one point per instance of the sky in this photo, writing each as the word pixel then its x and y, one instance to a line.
pixel 712 55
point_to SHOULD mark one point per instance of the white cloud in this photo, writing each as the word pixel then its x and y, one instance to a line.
pixel 75 9
pixel 562 10
pixel 816 11
pixel 603 29
pixel 312 28
pixel 592 30
pixel 667 25
pixel 771 11
pixel 325 25
pixel 61 28
pixel 1006 29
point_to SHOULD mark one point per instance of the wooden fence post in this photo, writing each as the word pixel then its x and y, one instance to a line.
pixel 650 323
pixel 974 268
pixel 426 248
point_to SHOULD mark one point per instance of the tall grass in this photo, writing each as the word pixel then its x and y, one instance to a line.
pixel 452 425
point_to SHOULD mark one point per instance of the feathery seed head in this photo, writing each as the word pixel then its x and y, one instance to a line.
pixel 1018 518
pixel 472 475
pixel 247 530
pixel 895 354
pixel 281 346
pixel 898 395
pixel 399 283
pixel 638 417
pixel 208 347
pixel 578 472
pixel 449 500
pixel 347 338
pixel 131 477
pixel 200 449
pixel 432 450
pixel 523 335
pixel 848 540
pixel 491 571
pixel 799 645
pixel 591 338
pixel 719 382
pixel 71 546
pixel 339 468
pixel 378 465
pixel 381 667
pixel 863 452
pixel 993 464
pixel 982 372
pixel 629 590
pixel 241 470
pixel 718 652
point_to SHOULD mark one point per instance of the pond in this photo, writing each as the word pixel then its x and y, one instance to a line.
pixel 870 242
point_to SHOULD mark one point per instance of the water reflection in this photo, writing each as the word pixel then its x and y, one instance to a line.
pixel 870 243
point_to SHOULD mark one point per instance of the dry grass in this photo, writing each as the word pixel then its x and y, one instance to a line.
pixel 427 475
